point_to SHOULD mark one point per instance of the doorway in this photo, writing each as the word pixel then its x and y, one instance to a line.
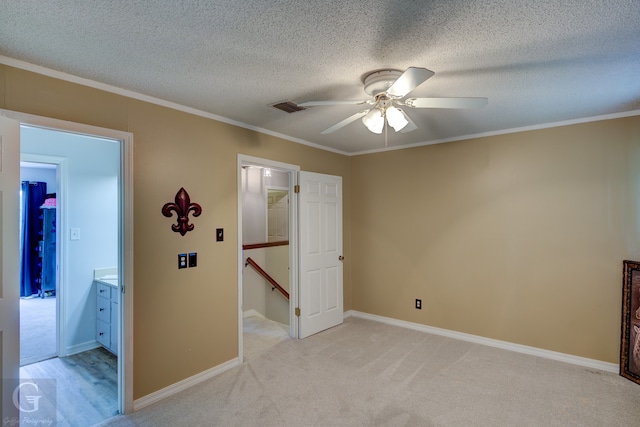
pixel 89 210
pixel 38 259
pixel 267 288
pixel 78 336
pixel 314 245
pixel 266 283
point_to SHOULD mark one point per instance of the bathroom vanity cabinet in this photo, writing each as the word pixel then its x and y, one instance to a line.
pixel 107 309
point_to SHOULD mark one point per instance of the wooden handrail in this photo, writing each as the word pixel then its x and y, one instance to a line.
pixel 266 276
pixel 265 245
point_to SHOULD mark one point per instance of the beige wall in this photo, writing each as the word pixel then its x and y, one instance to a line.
pixel 185 321
pixel 518 237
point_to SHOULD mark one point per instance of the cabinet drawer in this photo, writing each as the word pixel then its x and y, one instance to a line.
pixel 103 309
pixel 103 333
pixel 104 291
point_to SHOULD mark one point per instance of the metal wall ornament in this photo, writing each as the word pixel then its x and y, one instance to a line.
pixel 182 207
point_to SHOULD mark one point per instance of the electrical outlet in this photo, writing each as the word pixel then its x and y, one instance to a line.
pixel 182 260
pixel 419 304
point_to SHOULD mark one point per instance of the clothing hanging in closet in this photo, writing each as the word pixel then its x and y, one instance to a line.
pixel 33 195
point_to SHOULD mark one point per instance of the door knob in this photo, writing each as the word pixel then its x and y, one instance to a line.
pixel 340 258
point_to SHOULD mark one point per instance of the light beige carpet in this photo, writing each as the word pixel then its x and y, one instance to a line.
pixel 365 373
pixel 260 334
pixel 37 329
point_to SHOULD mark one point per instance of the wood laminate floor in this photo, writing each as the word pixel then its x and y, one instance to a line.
pixel 86 387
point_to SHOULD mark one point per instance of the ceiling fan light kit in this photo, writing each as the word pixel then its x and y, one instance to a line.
pixel 396 118
pixel 388 87
pixel 374 120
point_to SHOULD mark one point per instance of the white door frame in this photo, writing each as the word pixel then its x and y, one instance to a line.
pixel 61 244
pixel 125 240
pixel 293 242
pixel 10 270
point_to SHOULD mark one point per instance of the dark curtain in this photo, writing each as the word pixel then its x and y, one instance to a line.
pixel 33 196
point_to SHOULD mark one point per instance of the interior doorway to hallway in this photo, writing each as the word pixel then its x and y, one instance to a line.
pixel 265 231
pixel 267 287
pixel 316 300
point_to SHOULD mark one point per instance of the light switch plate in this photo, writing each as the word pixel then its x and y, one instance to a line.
pixel 219 234
pixel 193 259
pixel 75 234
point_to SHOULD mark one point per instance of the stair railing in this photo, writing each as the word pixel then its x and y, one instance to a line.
pixel 260 270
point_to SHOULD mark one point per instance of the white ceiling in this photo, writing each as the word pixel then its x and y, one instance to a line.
pixel 538 62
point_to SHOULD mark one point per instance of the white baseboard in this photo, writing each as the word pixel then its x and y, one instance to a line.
pixel 36 359
pixel 80 348
pixel 547 354
pixel 250 313
pixel 184 384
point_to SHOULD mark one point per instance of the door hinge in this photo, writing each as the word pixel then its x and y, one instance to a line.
pixel 297 311
pixel 296 188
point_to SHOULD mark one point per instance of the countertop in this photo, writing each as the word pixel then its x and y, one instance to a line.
pixel 108 282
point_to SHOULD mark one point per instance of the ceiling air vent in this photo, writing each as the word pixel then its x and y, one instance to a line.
pixel 288 107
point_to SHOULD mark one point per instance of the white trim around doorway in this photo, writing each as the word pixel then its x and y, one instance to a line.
pixel 61 244
pixel 125 359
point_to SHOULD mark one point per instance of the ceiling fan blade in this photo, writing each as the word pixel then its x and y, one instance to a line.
pixel 408 81
pixel 345 122
pixel 410 126
pixel 322 103
pixel 446 102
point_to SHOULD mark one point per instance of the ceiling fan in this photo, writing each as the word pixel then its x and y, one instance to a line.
pixel 388 88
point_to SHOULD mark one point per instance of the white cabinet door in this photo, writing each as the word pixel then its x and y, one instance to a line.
pixel 9 265
pixel 277 215
pixel 320 225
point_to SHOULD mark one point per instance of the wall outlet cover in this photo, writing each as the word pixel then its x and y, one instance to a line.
pixel 182 260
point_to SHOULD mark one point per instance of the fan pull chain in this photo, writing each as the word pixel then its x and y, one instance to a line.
pixel 386 129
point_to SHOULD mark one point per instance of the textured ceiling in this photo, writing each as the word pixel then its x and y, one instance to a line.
pixel 538 62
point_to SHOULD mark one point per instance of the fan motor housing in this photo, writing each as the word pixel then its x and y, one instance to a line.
pixel 379 81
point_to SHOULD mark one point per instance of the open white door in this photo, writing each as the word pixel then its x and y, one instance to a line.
pixel 9 265
pixel 320 296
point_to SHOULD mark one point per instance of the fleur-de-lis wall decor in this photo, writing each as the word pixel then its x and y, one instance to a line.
pixel 182 206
